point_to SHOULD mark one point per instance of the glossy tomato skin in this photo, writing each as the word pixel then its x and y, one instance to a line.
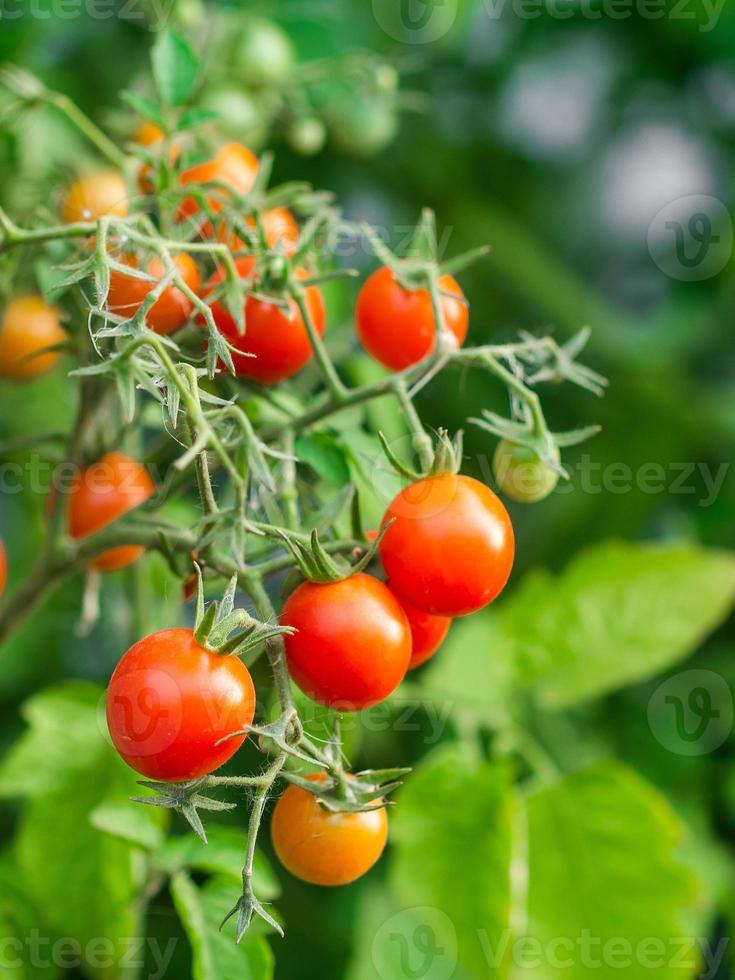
pixel 171 310
pixel 325 848
pixel 396 326
pixel 427 632
pixel 104 491
pixel 280 344
pixel 233 164
pixel 93 197
pixel 353 644
pixel 29 326
pixel 3 568
pixel 170 701
pixel 450 548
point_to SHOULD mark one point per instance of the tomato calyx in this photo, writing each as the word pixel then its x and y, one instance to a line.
pixel 317 565
pixel 447 457
pixel 360 792
pixel 421 268
pixel 186 798
pixel 245 908
pixel 225 630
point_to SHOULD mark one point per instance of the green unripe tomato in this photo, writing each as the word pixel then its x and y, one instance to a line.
pixel 240 114
pixel 306 136
pixel 262 53
pixel 521 474
pixel 364 127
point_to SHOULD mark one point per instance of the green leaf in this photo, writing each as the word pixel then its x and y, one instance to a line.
pixel 64 737
pixel 85 883
pixel 619 613
pixel 144 107
pixel 215 953
pixel 452 836
pixel 18 918
pixel 601 865
pixel 195 117
pixel 132 822
pixel 175 68
pixel 224 855
pixel 322 453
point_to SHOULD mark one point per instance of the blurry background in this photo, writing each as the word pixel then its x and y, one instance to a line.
pixel 592 147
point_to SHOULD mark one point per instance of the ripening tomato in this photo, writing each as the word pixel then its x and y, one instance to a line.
pixel 149 134
pixel 353 644
pixel 233 165
pixel 102 492
pixel 169 703
pixel 520 473
pixel 3 568
pixel 100 194
pixel 449 550
pixel 29 327
pixel 279 225
pixel 427 632
pixel 172 308
pixel 321 847
pixel 397 326
pixel 279 341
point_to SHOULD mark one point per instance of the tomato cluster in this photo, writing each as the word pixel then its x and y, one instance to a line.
pixel 178 709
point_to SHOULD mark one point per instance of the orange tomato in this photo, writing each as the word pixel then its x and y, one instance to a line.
pixel 100 194
pixel 29 327
pixel 149 134
pixel 102 493
pixel 279 225
pixel 234 165
pixel 325 848
pixel 172 308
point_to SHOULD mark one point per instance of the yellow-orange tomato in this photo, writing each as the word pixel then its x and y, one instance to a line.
pixel 321 847
pixel 93 197
pixel 149 134
pixel 172 308
pixel 280 229
pixel 234 165
pixel 28 328
pixel 3 568
pixel 103 492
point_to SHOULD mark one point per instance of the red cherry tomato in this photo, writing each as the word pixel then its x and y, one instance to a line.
pixel 169 703
pixel 450 549
pixel 171 310
pixel 427 632
pixel 353 644
pixel 397 326
pixel 103 492
pixel 3 568
pixel 234 165
pixel 325 848
pixel 279 342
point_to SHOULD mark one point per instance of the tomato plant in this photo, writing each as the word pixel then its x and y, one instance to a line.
pixel 323 847
pixel 521 474
pixel 254 426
